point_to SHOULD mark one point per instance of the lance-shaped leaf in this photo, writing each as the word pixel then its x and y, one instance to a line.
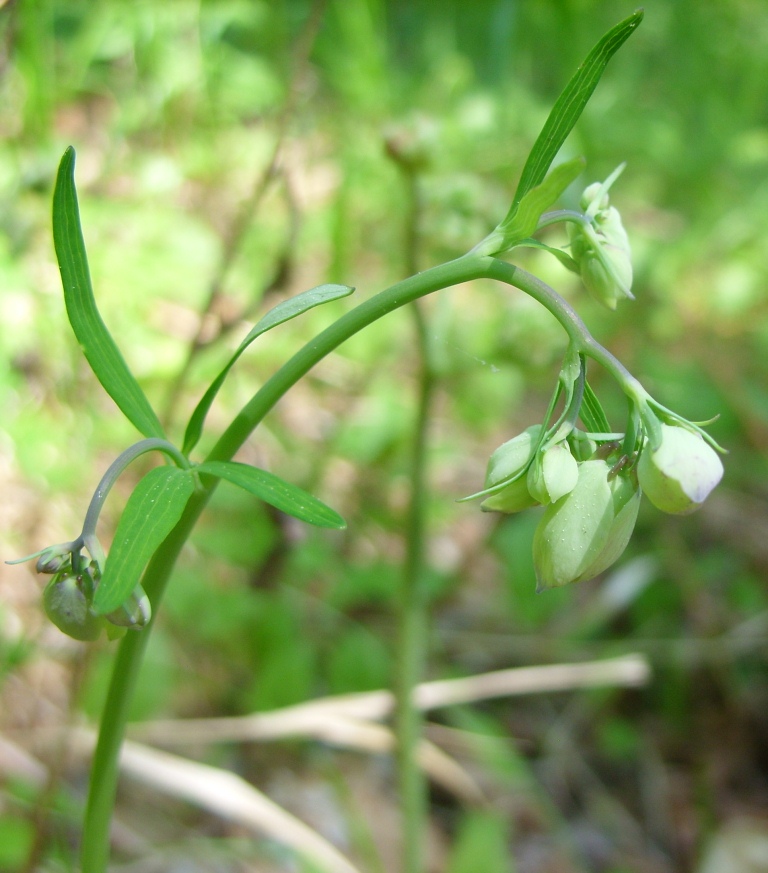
pixel 277 492
pixel 150 514
pixel 284 311
pixel 95 340
pixel 569 106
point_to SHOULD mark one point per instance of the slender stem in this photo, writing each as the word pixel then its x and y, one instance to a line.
pixel 413 627
pixel 152 444
pixel 413 600
pixel 577 331
pixel 95 846
pixel 463 269
pixel 94 851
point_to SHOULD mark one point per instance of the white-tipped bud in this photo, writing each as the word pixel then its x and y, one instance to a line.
pixel 679 476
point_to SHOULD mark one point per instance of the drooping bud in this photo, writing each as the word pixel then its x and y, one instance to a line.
pixel 601 249
pixel 53 560
pixel 553 475
pixel 585 531
pixel 679 476
pixel 509 460
pixel 68 608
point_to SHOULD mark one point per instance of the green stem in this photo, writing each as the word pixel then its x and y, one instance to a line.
pixel 413 627
pixel 577 331
pixel 104 768
pixel 95 845
pixel 152 444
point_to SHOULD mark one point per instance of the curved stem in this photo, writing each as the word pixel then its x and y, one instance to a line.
pixel 577 331
pixel 95 846
pixel 152 444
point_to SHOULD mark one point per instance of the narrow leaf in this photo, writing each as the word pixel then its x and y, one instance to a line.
pixel 523 220
pixel 592 413
pixel 95 340
pixel 570 104
pixel 150 514
pixel 277 492
pixel 284 311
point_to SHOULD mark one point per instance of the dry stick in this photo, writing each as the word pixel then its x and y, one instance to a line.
pixel 344 720
pixel 630 671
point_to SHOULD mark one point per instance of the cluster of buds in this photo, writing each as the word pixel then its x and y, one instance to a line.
pixel 68 596
pixel 590 483
pixel 591 490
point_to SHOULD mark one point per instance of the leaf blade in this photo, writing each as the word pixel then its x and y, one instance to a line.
pixel 279 314
pixel 151 513
pixel 96 342
pixel 570 104
pixel 277 492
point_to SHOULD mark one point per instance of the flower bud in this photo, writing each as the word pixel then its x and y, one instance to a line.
pixel 554 475
pixel 510 459
pixel 585 531
pixel 53 560
pixel 134 613
pixel 601 249
pixel 68 608
pixel 680 474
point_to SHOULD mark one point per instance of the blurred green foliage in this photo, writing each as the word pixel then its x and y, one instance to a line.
pixel 175 109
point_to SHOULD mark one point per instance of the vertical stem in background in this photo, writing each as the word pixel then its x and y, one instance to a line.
pixel 413 620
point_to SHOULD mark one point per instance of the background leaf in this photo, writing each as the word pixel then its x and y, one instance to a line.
pixel 284 311
pixel 569 106
pixel 277 492
pixel 95 340
pixel 149 516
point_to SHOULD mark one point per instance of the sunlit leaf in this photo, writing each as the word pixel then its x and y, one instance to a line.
pixel 283 312
pixel 95 340
pixel 277 492
pixel 150 514
pixel 570 105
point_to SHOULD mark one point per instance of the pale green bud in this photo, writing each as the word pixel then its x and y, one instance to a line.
pixel 554 475
pixel 582 447
pixel 585 531
pixel 601 249
pixel 68 608
pixel 680 474
pixel 510 459
pixel 53 560
pixel 134 613
pixel 594 198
